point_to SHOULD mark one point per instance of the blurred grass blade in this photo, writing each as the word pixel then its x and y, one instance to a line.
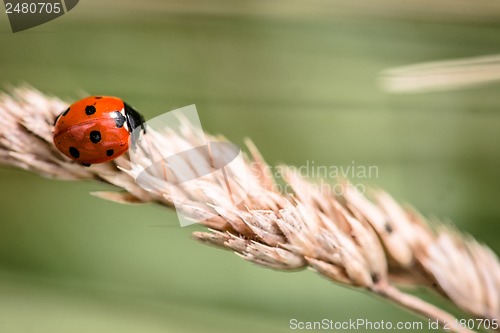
pixel 441 75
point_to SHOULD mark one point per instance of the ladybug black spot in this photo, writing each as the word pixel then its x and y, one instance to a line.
pixel 119 119
pixel 95 136
pixel 90 110
pixel 110 152
pixel 74 152
pixel 98 97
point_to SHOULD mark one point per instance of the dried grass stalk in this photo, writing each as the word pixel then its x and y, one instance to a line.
pixel 369 244
pixel 442 75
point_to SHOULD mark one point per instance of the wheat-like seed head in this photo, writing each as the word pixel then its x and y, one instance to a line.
pixel 350 239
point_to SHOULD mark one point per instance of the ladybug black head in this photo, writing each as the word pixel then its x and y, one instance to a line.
pixel 134 120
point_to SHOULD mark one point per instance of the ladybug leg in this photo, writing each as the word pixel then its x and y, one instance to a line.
pixel 86 164
pixel 57 118
pixel 61 114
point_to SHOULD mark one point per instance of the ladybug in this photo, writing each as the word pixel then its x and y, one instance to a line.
pixel 96 129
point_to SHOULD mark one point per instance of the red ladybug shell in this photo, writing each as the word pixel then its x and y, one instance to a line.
pixel 93 130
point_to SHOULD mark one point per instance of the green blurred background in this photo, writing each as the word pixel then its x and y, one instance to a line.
pixel 300 79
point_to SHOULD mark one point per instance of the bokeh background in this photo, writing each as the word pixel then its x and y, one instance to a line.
pixel 300 79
